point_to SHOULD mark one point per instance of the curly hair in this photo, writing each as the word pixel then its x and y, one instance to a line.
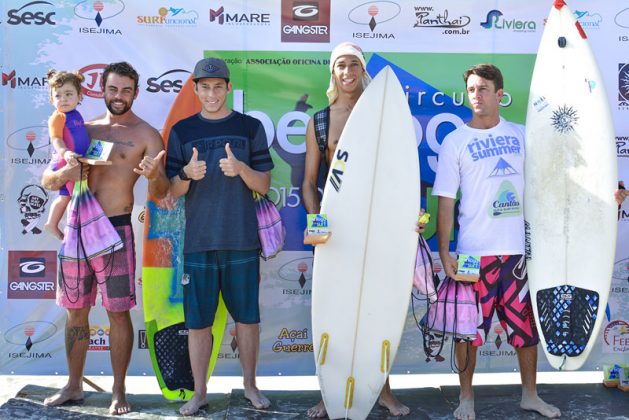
pixel 56 79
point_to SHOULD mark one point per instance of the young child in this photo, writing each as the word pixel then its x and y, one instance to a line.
pixel 67 134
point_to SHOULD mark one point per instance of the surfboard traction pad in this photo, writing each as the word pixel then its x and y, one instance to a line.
pixel 567 315
pixel 171 355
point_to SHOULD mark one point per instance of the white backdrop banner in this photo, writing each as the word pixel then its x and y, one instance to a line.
pixel 278 52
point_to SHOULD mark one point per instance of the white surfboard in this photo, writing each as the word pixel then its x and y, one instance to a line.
pixel 362 277
pixel 570 178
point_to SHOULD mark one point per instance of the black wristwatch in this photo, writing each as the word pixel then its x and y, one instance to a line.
pixel 183 176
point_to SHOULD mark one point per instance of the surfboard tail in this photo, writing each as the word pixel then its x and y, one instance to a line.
pixel 567 316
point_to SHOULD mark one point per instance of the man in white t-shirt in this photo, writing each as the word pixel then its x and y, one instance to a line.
pixel 485 160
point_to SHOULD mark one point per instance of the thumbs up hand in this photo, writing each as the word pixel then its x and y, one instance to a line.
pixel 195 169
pixel 230 165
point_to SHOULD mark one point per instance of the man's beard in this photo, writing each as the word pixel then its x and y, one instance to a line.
pixel 127 106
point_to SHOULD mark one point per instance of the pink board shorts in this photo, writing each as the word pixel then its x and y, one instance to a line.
pixel 503 288
pixel 112 273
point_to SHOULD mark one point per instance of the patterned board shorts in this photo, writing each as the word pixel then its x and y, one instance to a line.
pixel 113 274
pixel 503 288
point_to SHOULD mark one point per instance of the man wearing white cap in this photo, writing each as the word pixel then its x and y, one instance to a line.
pixel 348 79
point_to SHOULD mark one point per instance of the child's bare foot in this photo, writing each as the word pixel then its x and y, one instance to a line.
pixel 54 231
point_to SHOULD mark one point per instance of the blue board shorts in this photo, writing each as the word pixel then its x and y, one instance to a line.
pixel 234 273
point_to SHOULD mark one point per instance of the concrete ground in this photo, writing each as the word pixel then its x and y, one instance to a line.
pixel 429 397
pixel 10 384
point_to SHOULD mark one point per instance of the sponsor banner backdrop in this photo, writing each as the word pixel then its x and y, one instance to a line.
pixel 278 52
